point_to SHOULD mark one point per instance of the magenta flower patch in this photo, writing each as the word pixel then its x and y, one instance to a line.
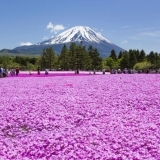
pixel 80 117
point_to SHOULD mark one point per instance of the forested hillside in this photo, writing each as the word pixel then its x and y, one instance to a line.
pixel 80 57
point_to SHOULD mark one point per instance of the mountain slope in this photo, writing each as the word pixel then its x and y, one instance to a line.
pixel 76 34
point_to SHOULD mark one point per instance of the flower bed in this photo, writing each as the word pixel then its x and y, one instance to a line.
pixel 80 117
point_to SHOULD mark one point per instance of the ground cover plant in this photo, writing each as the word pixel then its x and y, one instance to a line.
pixel 80 117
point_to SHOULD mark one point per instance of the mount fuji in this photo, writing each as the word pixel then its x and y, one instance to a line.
pixel 78 34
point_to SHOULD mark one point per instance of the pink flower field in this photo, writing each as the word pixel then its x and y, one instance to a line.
pixel 99 117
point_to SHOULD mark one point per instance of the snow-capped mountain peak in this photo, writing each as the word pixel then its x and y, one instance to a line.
pixel 78 33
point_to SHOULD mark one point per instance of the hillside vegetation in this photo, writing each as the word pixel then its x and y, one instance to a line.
pixel 80 57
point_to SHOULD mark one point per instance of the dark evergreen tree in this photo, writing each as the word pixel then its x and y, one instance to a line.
pixel 151 57
pixel 47 59
pixel 132 58
pixel 120 55
pixel 137 54
pixel 71 56
pixel 91 55
pixel 113 55
pixel 156 60
pixel 124 63
pixel 87 62
pixel 32 60
pixel 22 60
pixel 4 61
pixel 64 58
pixel 110 62
pixel 141 56
pixel 96 60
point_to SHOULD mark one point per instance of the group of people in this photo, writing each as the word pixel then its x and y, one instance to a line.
pixel 94 71
pixel 38 71
pixel 14 71
pixel 3 72
pixel 132 71
pixel 125 71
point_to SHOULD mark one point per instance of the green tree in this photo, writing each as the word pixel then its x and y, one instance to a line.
pixel 137 53
pixel 21 60
pixel 142 65
pixel 151 57
pixel 63 57
pixel 71 56
pixel 113 55
pixel 79 57
pixel 120 55
pixel 142 56
pixel 156 60
pixel 32 60
pixel 87 62
pixel 110 62
pixel 96 60
pixel 132 59
pixel 4 61
pixel 47 59
pixel 124 63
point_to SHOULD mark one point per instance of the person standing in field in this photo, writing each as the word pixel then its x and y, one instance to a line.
pixel 17 71
pixel 12 72
pixel 0 72
pixel 38 70
pixel 94 71
pixel 46 71
pixel 30 72
pixel 103 71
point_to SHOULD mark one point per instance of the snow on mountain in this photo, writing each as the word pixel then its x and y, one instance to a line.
pixel 75 34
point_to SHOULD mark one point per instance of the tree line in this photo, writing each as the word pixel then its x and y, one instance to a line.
pixel 74 58
pixel 133 59
pixel 78 57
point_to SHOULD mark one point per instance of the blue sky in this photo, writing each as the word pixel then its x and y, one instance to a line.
pixel 129 24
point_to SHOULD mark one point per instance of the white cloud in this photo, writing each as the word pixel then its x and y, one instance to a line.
pixel 143 35
pixel 55 28
pixel 151 34
pixel 25 43
pixel 145 29
pixel 125 41
pixel 134 37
